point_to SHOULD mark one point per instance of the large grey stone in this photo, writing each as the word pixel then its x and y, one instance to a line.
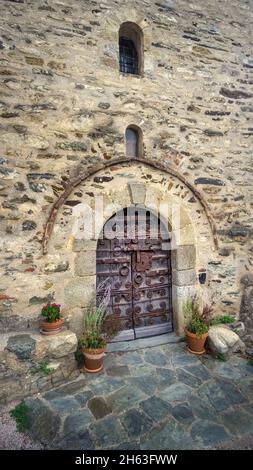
pixel 231 392
pixel 83 245
pixel 142 370
pixel 186 277
pixel 238 421
pixel 137 192
pixel 125 398
pixel 156 358
pixel 186 359
pixel 99 407
pixel 118 371
pixel 131 359
pixel 222 340
pixel 135 422
pixel 214 394
pixel 183 413
pixel 64 405
pixel 184 257
pixel 108 432
pixel 22 345
pixel 208 433
pixel 106 386
pixel 227 371
pixel 170 435
pixel 198 371
pixel 67 389
pixel 85 263
pixel 77 422
pixel 84 397
pixel 156 408
pixel 165 377
pixel 188 379
pixel 176 392
pixel 147 384
pixel 76 441
pixel 45 422
pixel 202 408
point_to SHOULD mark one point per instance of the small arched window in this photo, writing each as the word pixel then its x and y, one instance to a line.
pixel 128 58
pixel 133 142
pixel 131 49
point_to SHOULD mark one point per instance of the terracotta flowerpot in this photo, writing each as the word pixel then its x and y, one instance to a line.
pixel 93 359
pixel 53 328
pixel 196 343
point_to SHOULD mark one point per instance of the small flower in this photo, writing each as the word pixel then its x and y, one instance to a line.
pixel 51 312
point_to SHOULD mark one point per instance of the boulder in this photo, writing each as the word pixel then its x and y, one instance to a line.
pixel 222 340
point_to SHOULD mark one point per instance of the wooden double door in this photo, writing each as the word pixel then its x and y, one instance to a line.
pixel 138 268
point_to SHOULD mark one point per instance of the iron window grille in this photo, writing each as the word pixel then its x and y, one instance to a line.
pixel 128 56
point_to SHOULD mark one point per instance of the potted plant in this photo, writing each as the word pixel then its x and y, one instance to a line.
pixel 98 330
pixel 93 342
pixel 197 324
pixel 53 320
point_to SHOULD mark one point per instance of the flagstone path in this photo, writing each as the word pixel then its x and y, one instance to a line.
pixel 155 398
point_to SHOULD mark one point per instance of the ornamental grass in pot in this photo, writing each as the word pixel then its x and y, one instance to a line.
pixel 197 322
pixel 94 341
pixel 96 334
pixel 53 322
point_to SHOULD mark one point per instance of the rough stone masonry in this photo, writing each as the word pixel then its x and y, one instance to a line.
pixel 64 109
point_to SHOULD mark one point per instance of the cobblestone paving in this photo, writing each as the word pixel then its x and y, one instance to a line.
pixel 155 398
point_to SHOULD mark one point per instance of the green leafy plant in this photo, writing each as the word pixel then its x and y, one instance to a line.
pixel 79 355
pixel 21 414
pixel 225 319
pixel 42 367
pixel 182 339
pixel 197 319
pixel 98 329
pixel 197 326
pixel 93 336
pixel 51 312
pixel 221 357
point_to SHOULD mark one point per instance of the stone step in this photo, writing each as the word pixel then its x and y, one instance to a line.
pixel 33 344
pixel 142 343
pixel 32 363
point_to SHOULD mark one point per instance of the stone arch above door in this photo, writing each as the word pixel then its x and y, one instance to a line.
pixel 92 171
pixel 122 185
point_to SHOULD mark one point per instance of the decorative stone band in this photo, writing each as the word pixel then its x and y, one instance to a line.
pixel 103 165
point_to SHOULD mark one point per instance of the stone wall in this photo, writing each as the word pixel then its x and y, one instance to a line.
pixel 32 363
pixel 64 108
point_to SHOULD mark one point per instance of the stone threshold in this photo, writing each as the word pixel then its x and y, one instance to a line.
pixel 143 343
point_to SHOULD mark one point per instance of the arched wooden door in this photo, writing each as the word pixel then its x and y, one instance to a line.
pixel 132 256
